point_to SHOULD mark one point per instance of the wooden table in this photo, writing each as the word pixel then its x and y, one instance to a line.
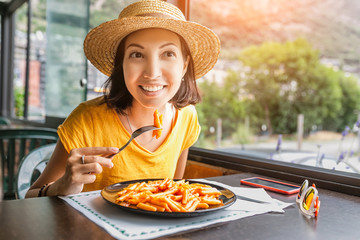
pixel 52 218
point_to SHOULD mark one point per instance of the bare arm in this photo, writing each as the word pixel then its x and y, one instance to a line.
pixel 181 164
pixel 66 173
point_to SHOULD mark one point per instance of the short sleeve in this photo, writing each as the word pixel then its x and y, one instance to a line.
pixel 75 131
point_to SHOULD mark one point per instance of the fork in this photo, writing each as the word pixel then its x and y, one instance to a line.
pixel 135 134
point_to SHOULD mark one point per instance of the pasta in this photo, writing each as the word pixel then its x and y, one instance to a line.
pixel 169 196
pixel 158 122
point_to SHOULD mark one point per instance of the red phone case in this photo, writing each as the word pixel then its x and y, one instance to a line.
pixel 244 181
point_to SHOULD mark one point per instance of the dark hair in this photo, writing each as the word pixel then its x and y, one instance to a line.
pixel 119 97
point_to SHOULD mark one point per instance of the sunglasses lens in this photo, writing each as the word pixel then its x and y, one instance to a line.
pixel 309 195
pixel 302 189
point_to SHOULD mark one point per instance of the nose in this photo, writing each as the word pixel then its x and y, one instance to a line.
pixel 152 69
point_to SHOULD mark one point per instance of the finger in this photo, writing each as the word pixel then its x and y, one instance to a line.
pixel 75 159
pixel 85 169
pixel 84 178
pixel 76 174
pixel 93 168
pixel 89 178
pixel 103 161
pixel 94 151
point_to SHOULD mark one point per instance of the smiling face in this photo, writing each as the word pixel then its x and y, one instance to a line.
pixel 153 66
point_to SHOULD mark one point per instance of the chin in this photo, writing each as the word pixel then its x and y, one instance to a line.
pixel 153 105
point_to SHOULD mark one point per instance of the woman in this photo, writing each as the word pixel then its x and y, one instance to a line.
pixel 152 56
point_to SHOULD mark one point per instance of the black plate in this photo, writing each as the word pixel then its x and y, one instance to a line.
pixel 109 193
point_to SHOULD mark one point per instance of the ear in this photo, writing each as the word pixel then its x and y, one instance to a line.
pixel 186 64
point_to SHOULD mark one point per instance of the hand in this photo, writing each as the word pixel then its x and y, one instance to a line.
pixel 78 173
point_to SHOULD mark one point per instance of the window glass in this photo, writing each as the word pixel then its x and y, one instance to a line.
pixel 57 62
pixel 37 70
pixel 286 86
pixel 101 11
pixel 67 26
pixel 36 96
pixel 20 60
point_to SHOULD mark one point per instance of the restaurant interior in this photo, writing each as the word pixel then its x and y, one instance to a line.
pixel 44 75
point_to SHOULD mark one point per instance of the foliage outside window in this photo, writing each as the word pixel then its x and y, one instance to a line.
pixel 281 60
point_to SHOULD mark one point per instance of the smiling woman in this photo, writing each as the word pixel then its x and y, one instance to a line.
pixel 153 57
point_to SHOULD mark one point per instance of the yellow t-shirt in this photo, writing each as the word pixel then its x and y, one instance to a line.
pixel 93 124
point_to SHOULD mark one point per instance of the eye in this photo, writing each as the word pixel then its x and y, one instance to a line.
pixel 136 55
pixel 169 54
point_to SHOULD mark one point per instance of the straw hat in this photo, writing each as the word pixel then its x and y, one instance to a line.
pixel 101 43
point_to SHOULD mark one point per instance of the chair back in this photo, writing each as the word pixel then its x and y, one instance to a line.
pixel 31 166
pixel 4 121
pixel 15 143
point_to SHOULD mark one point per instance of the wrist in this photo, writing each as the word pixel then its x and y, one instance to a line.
pixel 53 189
pixel 44 190
pixel 59 188
pixel 41 191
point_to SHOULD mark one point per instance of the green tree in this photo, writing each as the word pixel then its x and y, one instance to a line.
pixel 206 109
pixel 19 101
pixel 288 79
pixel 38 17
pixel 221 100
pixel 105 11
pixel 350 103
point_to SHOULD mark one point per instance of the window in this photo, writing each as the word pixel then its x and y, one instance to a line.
pixel 20 60
pixel 286 87
pixel 32 106
pixel 56 63
pixel 67 26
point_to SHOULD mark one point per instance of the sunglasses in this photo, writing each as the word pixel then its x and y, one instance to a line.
pixel 308 199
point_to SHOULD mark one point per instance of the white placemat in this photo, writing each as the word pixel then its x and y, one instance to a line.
pixel 122 224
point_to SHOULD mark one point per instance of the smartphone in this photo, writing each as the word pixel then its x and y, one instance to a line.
pixel 271 185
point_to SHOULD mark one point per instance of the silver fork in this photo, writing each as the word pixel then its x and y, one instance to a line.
pixel 135 134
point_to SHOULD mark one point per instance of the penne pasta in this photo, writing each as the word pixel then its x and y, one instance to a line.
pixel 169 196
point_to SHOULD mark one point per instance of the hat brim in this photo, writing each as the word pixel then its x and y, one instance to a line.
pixel 101 43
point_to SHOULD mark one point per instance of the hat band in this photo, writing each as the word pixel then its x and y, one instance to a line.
pixel 159 15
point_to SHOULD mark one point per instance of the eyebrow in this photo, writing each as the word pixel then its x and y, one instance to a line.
pixel 167 44
pixel 139 46
pixel 135 45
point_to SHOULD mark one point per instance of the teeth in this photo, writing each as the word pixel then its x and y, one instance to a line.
pixel 152 88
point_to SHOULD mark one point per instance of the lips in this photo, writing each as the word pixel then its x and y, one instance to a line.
pixel 152 88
